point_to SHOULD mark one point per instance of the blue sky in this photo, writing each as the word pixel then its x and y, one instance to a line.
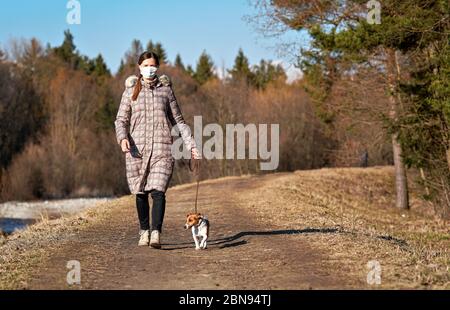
pixel 109 26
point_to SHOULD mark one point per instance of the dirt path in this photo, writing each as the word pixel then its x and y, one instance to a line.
pixel 244 251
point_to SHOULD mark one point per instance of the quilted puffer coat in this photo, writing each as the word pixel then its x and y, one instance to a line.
pixel 147 124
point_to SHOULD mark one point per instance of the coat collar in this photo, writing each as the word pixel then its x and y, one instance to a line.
pixel 157 83
pixel 163 80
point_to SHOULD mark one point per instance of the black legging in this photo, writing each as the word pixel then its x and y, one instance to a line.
pixel 158 209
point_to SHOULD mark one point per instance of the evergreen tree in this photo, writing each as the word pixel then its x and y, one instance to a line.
pixel 179 63
pixel 424 129
pixel 100 67
pixel 241 69
pixel 150 46
pixel 132 55
pixel 205 69
pixel 67 51
pixel 121 67
pixel 106 113
pixel 266 72
pixel 190 71
pixel 86 64
pixel 161 52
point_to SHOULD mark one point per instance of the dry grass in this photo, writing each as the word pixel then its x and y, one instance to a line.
pixel 411 246
pixel 23 251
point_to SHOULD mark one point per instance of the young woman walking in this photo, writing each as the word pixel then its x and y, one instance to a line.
pixel 147 112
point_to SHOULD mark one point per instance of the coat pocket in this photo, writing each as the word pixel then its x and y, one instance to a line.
pixel 135 152
pixel 136 147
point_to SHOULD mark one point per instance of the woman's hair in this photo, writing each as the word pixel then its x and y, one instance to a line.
pixel 138 86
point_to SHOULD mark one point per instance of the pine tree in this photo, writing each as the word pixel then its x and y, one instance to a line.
pixel 106 113
pixel 205 69
pixel 86 64
pixel 67 51
pixel 266 72
pixel 100 67
pixel 132 55
pixel 161 52
pixel 150 46
pixel 424 130
pixel 179 63
pixel 121 67
pixel 190 71
pixel 241 69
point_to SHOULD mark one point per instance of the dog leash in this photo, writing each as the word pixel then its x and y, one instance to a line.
pixel 195 168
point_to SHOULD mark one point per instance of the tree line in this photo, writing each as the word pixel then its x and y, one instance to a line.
pixel 57 112
pixel 394 73
pixel 371 94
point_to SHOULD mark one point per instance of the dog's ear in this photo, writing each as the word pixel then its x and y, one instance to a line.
pixel 199 215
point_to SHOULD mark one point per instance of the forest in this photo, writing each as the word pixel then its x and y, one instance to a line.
pixel 370 94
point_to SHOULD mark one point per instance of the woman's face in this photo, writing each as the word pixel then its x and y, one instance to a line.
pixel 148 63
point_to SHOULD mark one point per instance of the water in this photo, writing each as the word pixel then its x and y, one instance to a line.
pixel 16 215
pixel 9 225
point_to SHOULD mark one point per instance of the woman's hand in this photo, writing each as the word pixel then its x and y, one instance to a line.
pixel 125 145
pixel 195 153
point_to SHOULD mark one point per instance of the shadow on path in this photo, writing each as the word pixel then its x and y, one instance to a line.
pixel 226 241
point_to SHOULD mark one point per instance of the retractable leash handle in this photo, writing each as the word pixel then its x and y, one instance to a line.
pixel 195 168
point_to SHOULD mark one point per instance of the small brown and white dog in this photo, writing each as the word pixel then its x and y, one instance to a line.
pixel 199 225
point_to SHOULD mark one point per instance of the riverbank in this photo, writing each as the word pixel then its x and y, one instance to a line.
pixel 15 215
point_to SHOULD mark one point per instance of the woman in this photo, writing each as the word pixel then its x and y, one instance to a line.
pixel 147 112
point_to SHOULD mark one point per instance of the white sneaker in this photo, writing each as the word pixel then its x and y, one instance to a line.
pixel 154 240
pixel 143 239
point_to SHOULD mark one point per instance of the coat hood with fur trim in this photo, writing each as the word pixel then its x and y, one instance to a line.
pixel 132 79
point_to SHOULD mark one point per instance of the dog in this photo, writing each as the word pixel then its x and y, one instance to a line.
pixel 199 225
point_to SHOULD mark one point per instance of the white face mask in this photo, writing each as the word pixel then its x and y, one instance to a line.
pixel 148 72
